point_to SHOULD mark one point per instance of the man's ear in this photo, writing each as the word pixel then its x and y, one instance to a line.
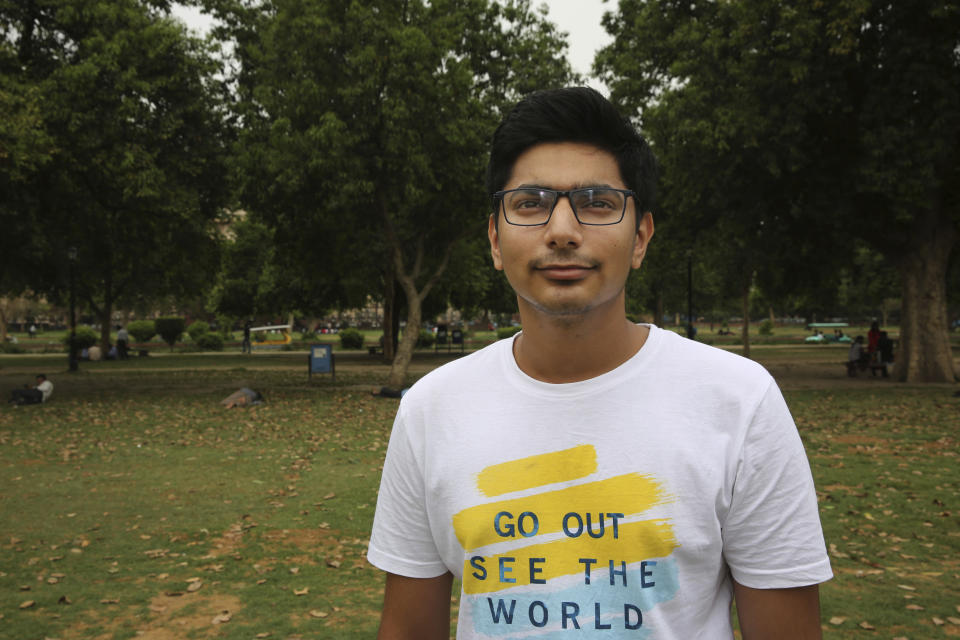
pixel 642 239
pixel 494 236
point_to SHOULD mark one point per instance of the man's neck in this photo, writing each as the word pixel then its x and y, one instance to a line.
pixel 559 349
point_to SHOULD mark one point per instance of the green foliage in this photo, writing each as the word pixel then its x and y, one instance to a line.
pixel 114 134
pixel 765 328
pixel 507 332
pixel 86 338
pixel 142 330
pixel 426 339
pixel 209 342
pixel 789 132
pixel 198 328
pixel 352 166
pixel 10 347
pixel 351 339
pixel 170 329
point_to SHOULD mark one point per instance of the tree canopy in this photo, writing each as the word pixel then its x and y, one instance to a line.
pixel 365 133
pixel 118 139
pixel 790 130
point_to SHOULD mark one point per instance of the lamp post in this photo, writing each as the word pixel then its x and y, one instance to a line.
pixel 72 259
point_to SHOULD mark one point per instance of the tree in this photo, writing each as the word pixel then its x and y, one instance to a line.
pixel 122 104
pixel 798 125
pixel 366 126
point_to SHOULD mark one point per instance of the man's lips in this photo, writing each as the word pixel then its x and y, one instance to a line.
pixel 562 271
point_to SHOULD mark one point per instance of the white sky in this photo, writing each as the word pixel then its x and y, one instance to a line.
pixel 580 19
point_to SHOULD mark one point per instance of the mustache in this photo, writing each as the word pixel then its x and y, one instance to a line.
pixel 565 257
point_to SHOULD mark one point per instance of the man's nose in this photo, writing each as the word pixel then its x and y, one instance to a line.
pixel 563 228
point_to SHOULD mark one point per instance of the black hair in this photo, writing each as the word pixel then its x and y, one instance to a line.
pixel 41 375
pixel 574 114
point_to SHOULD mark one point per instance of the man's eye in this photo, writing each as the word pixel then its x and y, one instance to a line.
pixel 599 204
pixel 529 204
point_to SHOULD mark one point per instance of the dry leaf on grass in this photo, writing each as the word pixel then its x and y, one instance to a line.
pixel 837 620
pixel 220 618
pixel 194 586
pixel 316 613
pixel 301 592
pixel 866 625
pixel 27 604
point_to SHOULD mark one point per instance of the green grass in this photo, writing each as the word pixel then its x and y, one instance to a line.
pixel 133 482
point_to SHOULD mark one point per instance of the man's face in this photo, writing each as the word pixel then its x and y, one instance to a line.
pixel 564 268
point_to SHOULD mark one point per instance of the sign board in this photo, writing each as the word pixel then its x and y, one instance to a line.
pixel 320 360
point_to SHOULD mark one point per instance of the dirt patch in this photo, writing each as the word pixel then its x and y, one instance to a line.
pixel 232 539
pixel 166 620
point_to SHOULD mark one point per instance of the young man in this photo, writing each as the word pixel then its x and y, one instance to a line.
pixel 592 476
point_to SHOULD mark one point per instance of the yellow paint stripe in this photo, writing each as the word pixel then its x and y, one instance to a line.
pixel 537 471
pixel 626 494
pixel 645 540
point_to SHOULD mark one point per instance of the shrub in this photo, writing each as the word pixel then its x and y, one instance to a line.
pixel 11 347
pixel 351 339
pixel 765 328
pixel 426 339
pixel 506 332
pixel 86 338
pixel 308 337
pixel 170 329
pixel 197 329
pixel 142 330
pixel 209 342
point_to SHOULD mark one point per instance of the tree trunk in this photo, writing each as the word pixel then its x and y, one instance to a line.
pixel 773 318
pixel 105 313
pixel 389 312
pixel 3 324
pixel 658 308
pixel 401 361
pixel 924 352
pixel 745 335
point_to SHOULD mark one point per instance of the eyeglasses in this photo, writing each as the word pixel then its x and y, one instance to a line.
pixel 531 206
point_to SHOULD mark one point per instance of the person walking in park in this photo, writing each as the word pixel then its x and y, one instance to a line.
pixel 591 473
pixel 40 393
pixel 245 346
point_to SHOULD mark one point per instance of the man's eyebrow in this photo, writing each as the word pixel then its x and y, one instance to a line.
pixel 579 185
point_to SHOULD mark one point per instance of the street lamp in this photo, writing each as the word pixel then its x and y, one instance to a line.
pixel 72 259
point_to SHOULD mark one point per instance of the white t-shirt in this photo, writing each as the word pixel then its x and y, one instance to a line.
pixel 46 388
pixel 619 505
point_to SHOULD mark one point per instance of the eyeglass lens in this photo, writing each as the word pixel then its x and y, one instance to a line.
pixel 591 206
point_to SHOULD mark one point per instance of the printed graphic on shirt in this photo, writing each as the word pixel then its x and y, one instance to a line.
pixel 579 557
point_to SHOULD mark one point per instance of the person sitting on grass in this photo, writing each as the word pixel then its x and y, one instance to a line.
pixel 36 395
pixel 856 357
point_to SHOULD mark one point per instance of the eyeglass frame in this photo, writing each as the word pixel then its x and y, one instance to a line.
pixel 498 204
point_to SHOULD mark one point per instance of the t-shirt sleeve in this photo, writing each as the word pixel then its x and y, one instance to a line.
pixel 401 541
pixel 772 538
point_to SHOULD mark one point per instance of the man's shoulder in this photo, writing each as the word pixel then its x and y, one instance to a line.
pixel 694 356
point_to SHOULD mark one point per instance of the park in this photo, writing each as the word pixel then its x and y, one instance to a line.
pixel 192 222
pixel 135 505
